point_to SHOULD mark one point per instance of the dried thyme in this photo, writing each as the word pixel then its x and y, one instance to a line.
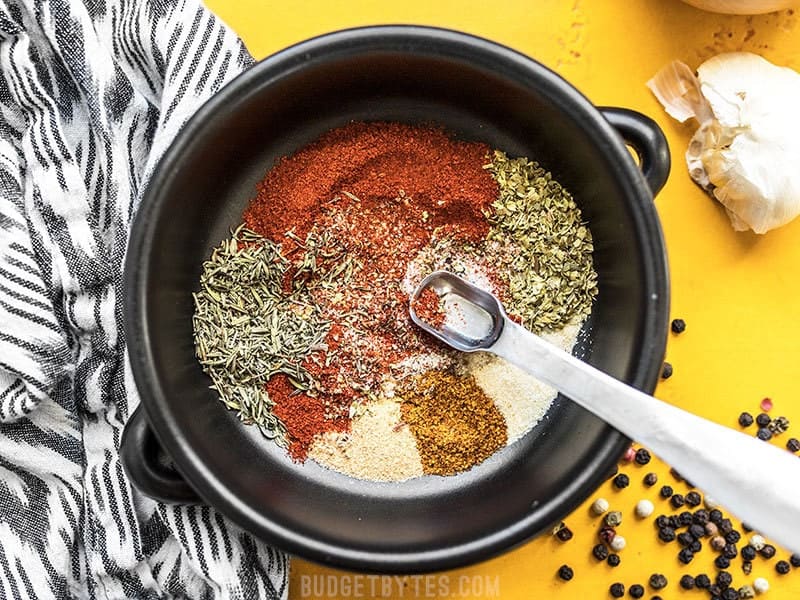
pixel 550 274
pixel 248 327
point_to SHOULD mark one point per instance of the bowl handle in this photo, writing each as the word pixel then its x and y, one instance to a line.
pixel 644 135
pixel 148 466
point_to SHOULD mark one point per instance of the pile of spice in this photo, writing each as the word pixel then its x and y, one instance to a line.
pixel 302 315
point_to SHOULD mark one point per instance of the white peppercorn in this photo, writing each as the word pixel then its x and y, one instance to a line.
pixel 761 585
pixel 599 506
pixel 617 543
pixel 757 542
pixel 644 508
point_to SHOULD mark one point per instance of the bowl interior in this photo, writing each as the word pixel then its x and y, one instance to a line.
pixel 207 178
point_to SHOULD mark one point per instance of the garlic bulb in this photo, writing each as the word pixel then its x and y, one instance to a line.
pixel 746 153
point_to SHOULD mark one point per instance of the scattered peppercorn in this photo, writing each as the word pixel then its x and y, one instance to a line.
pixel 613 518
pixel 621 481
pixel 761 585
pixel 715 591
pixel 696 546
pixel 685 556
pixel 702 581
pixel 697 531
pixel 677 500
pixel 662 521
pixel 642 456
pixel 636 591
pixel 693 499
pixel 607 534
pixel 674 522
pixel 732 537
pixel 613 560
pixel 564 534
pixel 617 590
pixel 565 572
pixel 678 326
pixel 717 542
pixel 644 508
pixel 685 538
pixel 666 371
pixel 657 581
pixel 746 592
pixel 745 419
pixel 794 559
pixel 729 594
pixel 729 551
pixel 757 542
pixel 725 526
pixel 724 579
pixel 764 434
pixel 768 551
pixel 618 543
pixel 766 404
pixel 650 479
pixel 782 567
pixel 665 491
pixel 700 516
pixel 793 445
pixel 722 562
pixel 600 552
pixel 687 582
pixel 748 552
pixel 666 534
pixel 711 529
pixel 763 419
pixel 778 426
pixel 685 519
pixel 715 516
pixel 747 567
pixel 599 506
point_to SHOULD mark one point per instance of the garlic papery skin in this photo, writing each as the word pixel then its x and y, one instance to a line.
pixel 746 152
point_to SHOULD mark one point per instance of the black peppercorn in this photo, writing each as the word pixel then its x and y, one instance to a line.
pixel 702 581
pixel 732 537
pixel 715 516
pixel 674 522
pixel 782 567
pixel 678 326
pixel 725 526
pixel 793 445
pixel 764 434
pixel 730 594
pixel 685 538
pixel 715 591
pixel 617 590
pixel 687 582
pixel 697 531
pixel 600 552
pixel 642 456
pixel 794 559
pixel 565 572
pixel 685 518
pixel 763 420
pixel 657 581
pixel 613 560
pixel 564 534
pixel 695 546
pixel 676 500
pixel 700 516
pixel 748 552
pixel 636 591
pixel 666 371
pixel 621 481
pixel 662 521
pixel 729 551
pixel 693 499
pixel 685 556
pixel 722 562
pixel 666 534
pixel 665 492
pixel 767 551
pixel 650 479
pixel 724 579
pixel 745 419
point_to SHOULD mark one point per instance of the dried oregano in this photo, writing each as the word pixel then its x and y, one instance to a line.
pixel 549 269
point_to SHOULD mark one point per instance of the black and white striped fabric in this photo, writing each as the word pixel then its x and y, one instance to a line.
pixel 91 93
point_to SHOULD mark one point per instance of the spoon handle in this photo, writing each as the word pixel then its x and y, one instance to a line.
pixel 756 481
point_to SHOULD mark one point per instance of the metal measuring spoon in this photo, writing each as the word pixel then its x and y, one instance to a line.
pixel 756 481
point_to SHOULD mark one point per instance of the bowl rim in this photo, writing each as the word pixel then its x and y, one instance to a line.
pixel 416 39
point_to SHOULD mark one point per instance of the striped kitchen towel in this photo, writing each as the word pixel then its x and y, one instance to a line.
pixel 91 93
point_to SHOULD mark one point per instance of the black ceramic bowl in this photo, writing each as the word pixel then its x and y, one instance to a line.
pixel 479 91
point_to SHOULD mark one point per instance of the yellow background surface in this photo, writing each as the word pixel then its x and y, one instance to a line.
pixel 738 292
